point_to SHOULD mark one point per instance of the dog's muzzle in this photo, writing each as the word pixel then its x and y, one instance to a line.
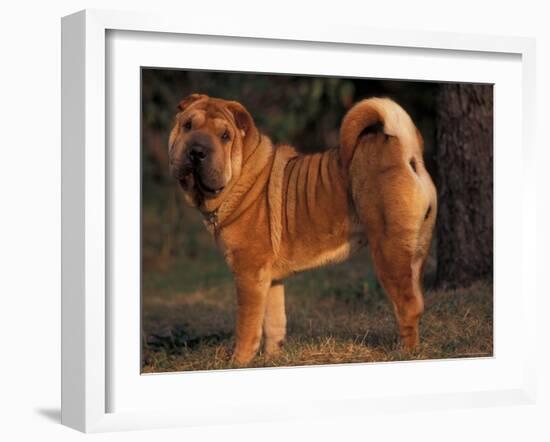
pixel 189 172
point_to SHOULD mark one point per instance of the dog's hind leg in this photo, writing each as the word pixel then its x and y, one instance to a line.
pixel 398 217
pixel 398 225
pixel 394 199
pixel 275 319
pixel 400 272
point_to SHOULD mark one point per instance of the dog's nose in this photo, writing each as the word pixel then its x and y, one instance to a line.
pixel 197 153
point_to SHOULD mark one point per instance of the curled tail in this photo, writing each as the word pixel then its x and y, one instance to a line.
pixel 372 116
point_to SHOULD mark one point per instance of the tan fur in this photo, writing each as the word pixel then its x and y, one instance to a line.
pixel 275 318
pixel 282 212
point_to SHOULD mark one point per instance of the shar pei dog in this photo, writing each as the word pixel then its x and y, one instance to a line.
pixel 274 212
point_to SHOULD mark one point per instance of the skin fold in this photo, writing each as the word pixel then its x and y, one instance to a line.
pixel 275 212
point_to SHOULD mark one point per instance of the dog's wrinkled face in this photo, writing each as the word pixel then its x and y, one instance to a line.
pixel 205 145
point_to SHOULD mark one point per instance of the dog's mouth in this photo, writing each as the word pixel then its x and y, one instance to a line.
pixel 204 188
pixel 192 177
pixel 186 180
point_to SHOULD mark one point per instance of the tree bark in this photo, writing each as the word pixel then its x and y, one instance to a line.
pixel 464 139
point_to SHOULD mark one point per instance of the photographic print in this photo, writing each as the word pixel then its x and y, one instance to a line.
pixel 293 220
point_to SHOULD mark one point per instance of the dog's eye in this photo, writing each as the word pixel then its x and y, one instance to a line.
pixel 187 125
pixel 225 135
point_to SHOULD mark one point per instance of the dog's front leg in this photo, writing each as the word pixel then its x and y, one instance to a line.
pixel 275 319
pixel 252 288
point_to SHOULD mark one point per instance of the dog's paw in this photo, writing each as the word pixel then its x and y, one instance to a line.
pixel 241 359
pixel 273 348
pixel 410 343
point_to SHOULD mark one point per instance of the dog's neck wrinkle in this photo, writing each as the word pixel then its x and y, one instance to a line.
pixel 247 188
pixel 256 141
pixel 210 208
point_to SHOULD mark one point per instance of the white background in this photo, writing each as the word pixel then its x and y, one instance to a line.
pixel 30 219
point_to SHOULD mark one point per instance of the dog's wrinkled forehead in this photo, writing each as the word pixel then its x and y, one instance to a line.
pixel 232 112
pixel 208 109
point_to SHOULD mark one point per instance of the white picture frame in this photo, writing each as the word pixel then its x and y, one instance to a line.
pixel 87 355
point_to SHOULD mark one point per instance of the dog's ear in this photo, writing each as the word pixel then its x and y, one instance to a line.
pixel 243 119
pixel 186 102
pixel 420 139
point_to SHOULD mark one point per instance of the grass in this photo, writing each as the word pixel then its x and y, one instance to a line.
pixel 337 314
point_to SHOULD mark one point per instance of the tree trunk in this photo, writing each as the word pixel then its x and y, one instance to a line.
pixel 464 229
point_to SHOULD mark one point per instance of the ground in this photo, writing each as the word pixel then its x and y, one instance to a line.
pixel 337 314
